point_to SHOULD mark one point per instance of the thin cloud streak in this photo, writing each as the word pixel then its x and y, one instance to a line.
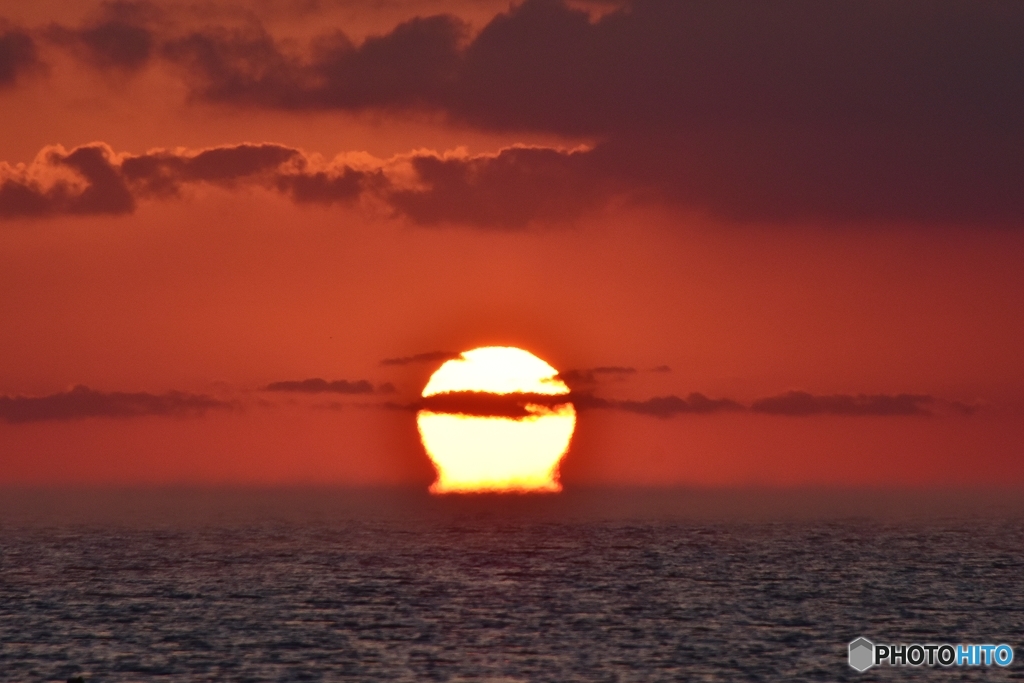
pixel 660 406
pixel 790 404
pixel 428 357
pixel 83 402
pixel 317 385
pixel 801 403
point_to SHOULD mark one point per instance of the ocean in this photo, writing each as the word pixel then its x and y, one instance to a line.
pixel 322 585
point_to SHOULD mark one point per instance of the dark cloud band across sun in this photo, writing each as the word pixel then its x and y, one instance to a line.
pixel 83 402
pixel 792 404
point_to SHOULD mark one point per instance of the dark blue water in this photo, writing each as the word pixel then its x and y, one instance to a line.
pixel 489 592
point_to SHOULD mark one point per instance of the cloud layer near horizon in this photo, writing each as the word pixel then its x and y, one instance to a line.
pixel 83 402
pixel 792 404
pixel 783 110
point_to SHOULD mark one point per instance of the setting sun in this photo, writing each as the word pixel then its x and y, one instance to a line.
pixel 494 419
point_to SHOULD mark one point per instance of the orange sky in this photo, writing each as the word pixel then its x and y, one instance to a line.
pixel 864 242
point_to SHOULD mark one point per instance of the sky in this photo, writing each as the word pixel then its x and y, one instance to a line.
pixel 771 244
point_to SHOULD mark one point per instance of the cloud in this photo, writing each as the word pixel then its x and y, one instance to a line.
pixel 17 54
pixel 667 406
pixel 163 172
pixel 794 403
pixel 121 37
pixel 800 403
pixel 94 180
pixel 793 109
pixel 428 357
pixel 86 180
pixel 521 405
pixel 852 110
pixel 509 189
pixel 411 66
pixel 504 190
pixel 82 402
pixel 319 386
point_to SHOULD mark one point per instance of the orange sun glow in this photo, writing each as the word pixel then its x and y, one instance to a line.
pixel 494 419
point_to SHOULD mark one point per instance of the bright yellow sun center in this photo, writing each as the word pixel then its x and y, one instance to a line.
pixel 508 451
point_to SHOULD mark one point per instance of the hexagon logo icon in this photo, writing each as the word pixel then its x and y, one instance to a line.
pixel 862 654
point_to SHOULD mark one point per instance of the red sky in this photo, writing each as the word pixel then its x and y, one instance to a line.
pixel 792 197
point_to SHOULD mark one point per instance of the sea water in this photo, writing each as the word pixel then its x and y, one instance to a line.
pixel 285 589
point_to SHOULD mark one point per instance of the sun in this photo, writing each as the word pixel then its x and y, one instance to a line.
pixel 496 418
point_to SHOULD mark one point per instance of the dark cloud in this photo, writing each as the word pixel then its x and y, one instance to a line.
pixel 667 64
pixel 82 402
pixel 86 180
pixel 120 38
pixel 853 109
pixel 326 187
pixel 503 190
pixel 428 357
pixel 165 172
pixel 17 54
pixel 92 179
pixel 509 190
pixel 667 406
pixel 794 403
pixel 118 43
pixel 772 111
pixel 242 65
pixel 515 405
pixel 410 67
pixel 803 403
pixel 318 386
